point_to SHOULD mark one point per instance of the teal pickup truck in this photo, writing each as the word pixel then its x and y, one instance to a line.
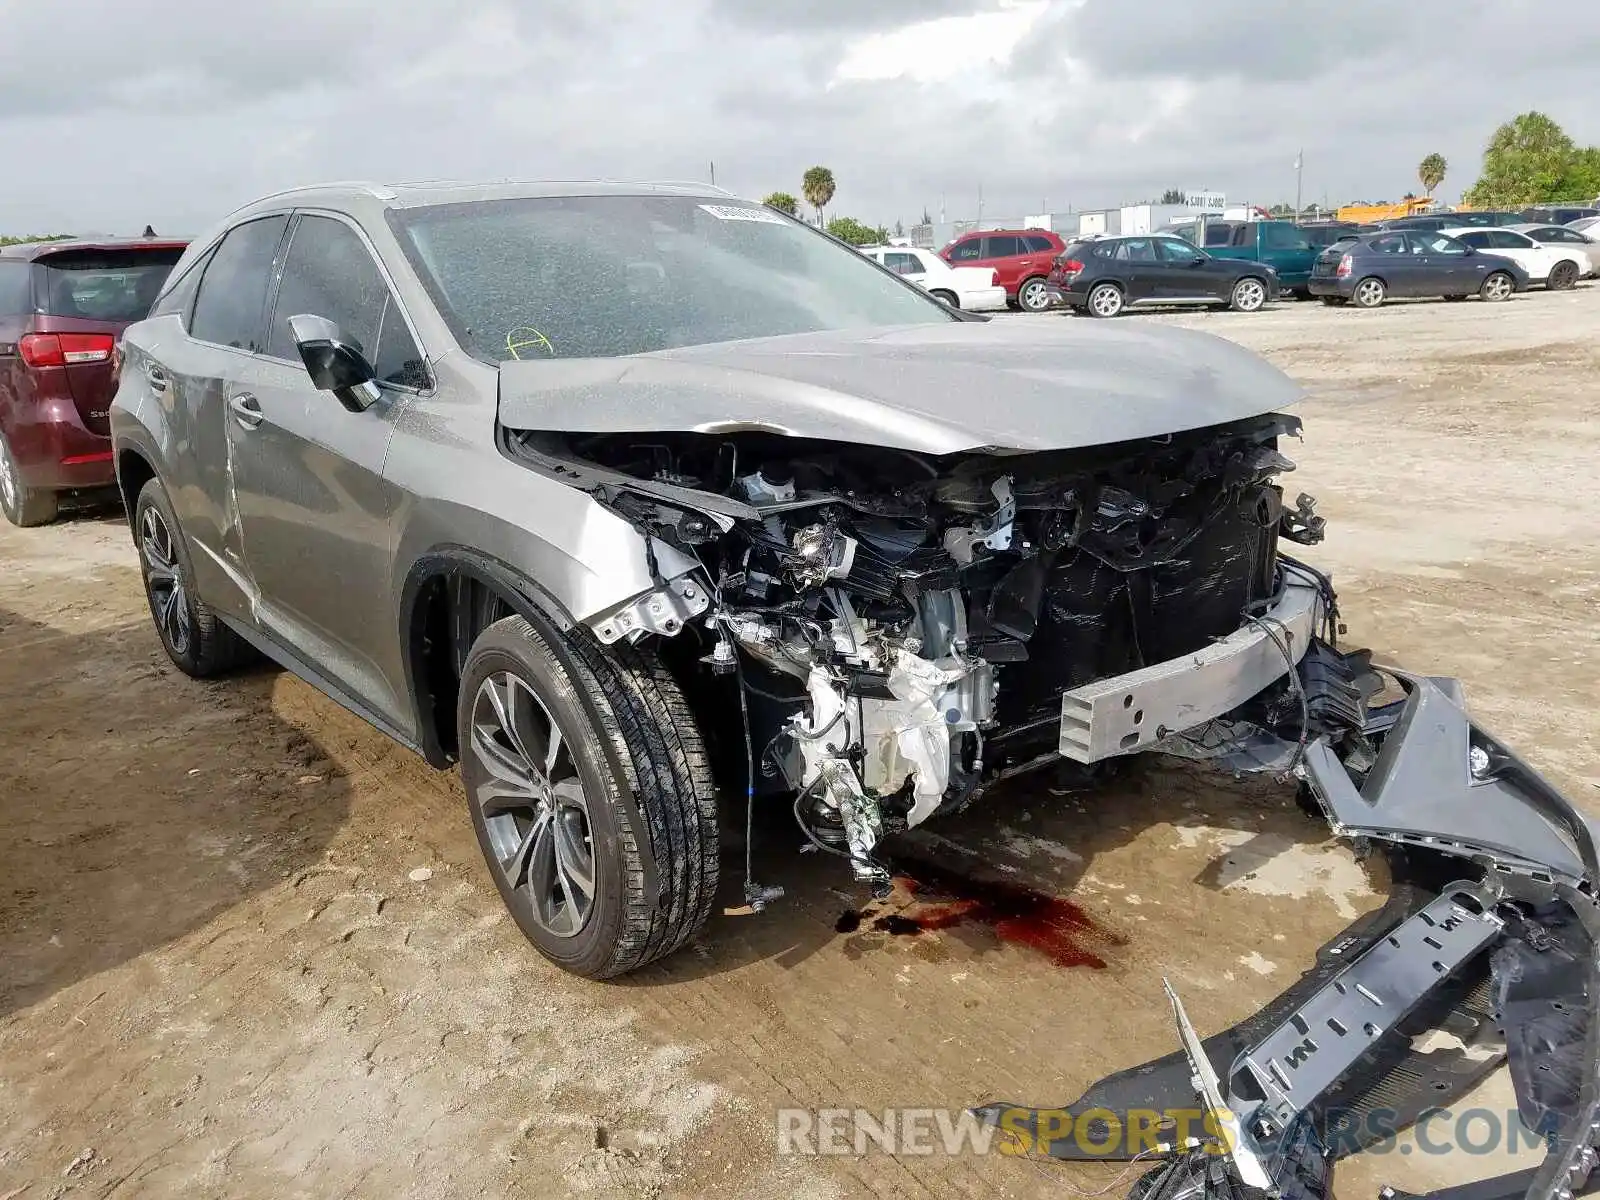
pixel 1281 245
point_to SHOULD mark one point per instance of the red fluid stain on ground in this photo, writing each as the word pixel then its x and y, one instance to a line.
pixel 944 899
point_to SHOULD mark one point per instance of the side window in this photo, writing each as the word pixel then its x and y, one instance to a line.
pixel 1137 250
pixel 1174 250
pixel 1003 246
pixel 179 297
pixel 1568 236
pixel 16 288
pixel 1394 243
pixel 1438 243
pixel 1039 245
pixel 968 251
pixel 1282 237
pixel 233 291
pixel 902 264
pixel 1218 234
pixel 329 272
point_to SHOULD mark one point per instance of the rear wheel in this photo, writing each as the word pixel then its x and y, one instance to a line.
pixel 1033 295
pixel 195 640
pixel 1248 295
pixel 1302 293
pixel 1498 286
pixel 1332 301
pixel 945 297
pixel 1105 300
pixel 1455 297
pixel 24 506
pixel 542 731
pixel 1563 276
pixel 1369 293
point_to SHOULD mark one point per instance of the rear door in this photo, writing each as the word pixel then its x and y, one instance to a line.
pixel 1139 268
pixel 187 368
pixel 87 297
pixel 1004 252
pixel 314 508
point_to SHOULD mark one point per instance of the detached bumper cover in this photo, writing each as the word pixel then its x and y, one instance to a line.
pixel 1491 933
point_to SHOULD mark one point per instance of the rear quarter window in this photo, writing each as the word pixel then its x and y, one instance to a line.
pixel 16 288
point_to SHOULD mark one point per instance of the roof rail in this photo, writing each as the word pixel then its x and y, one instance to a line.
pixel 376 190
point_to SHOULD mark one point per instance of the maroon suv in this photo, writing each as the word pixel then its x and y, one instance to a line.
pixel 63 307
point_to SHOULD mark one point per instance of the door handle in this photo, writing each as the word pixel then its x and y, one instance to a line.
pixel 246 410
pixel 156 377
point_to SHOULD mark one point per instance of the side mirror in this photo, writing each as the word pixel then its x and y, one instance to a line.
pixel 335 362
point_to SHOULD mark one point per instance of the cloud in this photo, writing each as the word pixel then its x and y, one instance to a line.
pixel 112 115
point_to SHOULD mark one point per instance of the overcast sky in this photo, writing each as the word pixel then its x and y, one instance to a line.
pixel 116 113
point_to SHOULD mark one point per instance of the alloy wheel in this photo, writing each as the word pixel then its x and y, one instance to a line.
pixel 1106 301
pixel 169 596
pixel 1249 295
pixel 533 804
pixel 1497 287
pixel 1034 297
pixel 1369 293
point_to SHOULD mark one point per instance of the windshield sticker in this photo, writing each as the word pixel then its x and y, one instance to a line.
pixel 739 212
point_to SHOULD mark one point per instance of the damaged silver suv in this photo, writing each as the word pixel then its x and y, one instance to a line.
pixel 640 502
pixel 652 507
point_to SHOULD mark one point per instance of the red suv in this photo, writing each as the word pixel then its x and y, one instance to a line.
pixel 1021 259
pixel 63 307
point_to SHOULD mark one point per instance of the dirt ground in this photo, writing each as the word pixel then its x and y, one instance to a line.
pixel 222 973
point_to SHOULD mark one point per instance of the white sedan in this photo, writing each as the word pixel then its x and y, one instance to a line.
pixel 971 288
pixel 1557 267
pixel 1563 237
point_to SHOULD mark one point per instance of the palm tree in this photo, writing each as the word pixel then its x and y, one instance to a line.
pixel 817 187
pixel 1431 172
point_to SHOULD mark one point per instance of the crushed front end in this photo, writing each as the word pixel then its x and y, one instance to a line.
pixel 904 629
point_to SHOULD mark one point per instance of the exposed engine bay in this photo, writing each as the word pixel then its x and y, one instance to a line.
pixel 904 627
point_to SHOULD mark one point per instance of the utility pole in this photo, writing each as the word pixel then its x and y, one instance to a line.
pixel 1299 165
pixel 713 174
pixel 980 205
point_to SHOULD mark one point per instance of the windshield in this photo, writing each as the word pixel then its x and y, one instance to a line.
pixel 603 276
pixel 106 285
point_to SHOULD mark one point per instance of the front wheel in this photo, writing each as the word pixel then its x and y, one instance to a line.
pixel 1033 295
pixel 1497 287
pixel 1563 276
pixel 1248 295
pixel 1105 300
pixel 543 731
pixel 1369 293
pixel 24 506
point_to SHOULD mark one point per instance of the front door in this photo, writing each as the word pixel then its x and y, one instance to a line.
pixel 1184 273
pixel 316 513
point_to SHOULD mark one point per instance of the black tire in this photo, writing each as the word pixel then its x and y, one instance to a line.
pixel 1369 293
pixel 1563 276
pixel 645 721
pixel 1302 293
pixel 196 641
pixel 1453 298
pixel 1333 301
pixel 1032 295
pixel 24 506
pixel 946 297
pixel 1497 286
